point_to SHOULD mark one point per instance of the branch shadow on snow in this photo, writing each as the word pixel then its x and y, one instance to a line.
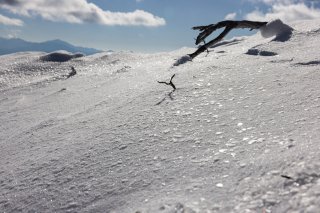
pixel 309 63
pixel 169 95
pixel 228 42
pixel 257 52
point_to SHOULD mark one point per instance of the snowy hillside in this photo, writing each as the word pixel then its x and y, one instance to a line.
pixel 240 133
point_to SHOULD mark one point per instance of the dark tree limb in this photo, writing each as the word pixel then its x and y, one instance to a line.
pixel 207 30
pixel 169 83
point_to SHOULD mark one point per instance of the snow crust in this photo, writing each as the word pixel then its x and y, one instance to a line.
pixel 239 134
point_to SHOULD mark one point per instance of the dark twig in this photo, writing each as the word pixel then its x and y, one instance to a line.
pixel 169 83
pixel 72 73
pixel 286 177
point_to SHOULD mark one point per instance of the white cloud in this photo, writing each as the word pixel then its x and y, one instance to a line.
pixel 79 11
pixel 271 2
pixel 231 16
pixel 13 33
pixel 285 12
pixel 10 21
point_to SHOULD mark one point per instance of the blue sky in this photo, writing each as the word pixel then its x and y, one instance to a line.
pixel 138 25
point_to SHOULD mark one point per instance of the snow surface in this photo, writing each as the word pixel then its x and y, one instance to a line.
pixel 240 133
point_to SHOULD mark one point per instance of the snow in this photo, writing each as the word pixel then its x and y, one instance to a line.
pixel 239 134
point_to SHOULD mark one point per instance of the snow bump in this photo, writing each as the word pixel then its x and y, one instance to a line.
pixel 277 28
pixel 61 56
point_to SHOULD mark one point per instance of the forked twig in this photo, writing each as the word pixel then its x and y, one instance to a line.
pixel 169 83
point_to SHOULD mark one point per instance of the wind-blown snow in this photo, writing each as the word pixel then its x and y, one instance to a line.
pixel 277 28
pixel 239 134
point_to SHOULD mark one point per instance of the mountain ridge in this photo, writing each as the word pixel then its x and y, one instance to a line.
pixel 13 45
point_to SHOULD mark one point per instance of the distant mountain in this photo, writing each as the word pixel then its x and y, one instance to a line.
pixel 14 45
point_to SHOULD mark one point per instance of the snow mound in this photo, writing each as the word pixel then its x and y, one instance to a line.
pixel 184 59
pixel 60 56
pixel 277 28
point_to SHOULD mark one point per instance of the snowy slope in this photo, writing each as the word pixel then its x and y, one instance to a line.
pixel 240 134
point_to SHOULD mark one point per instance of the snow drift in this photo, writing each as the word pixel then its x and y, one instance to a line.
pixel 60 56
pixel 239 134
pixel 276 28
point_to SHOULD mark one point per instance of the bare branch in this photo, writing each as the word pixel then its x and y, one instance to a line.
pixel 207 45
pixel 169 83
pixel 228 25
pixel 207 30
pixel 172 78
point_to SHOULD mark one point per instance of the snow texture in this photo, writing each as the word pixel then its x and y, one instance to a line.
pixel 239 134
